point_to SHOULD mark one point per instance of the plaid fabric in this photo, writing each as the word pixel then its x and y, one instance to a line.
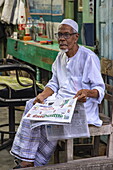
pixel 32 145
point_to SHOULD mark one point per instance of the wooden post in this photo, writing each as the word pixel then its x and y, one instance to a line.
pixel 69 150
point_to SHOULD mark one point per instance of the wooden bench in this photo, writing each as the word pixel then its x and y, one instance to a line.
pixel 106 114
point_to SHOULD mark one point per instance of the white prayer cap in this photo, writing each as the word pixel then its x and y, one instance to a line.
pixel 71 23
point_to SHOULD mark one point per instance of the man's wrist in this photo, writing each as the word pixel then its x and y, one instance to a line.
pixel 93 93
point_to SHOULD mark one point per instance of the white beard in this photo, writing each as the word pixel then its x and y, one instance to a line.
pixel 64 51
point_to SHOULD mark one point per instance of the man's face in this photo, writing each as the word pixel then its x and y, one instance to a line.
pixel 66 38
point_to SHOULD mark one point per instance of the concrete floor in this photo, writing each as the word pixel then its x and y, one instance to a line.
pixel 6 160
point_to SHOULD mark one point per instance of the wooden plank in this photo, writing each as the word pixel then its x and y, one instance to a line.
pixel 108 97
pixel 109 88
pixel 103 130
pixel 95 163
pixel 107 66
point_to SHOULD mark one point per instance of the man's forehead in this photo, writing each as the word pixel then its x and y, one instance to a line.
pixel 64 27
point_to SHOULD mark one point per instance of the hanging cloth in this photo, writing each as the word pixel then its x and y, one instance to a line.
pixel 7 11
pixel 12 11
pixel 1 2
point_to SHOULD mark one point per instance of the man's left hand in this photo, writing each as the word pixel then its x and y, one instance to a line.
pixel 82 95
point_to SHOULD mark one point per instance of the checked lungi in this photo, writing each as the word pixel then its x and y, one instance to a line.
pixel 31 144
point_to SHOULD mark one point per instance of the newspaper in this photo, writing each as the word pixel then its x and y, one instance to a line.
pixel 63 119
pixel 60 111
pixel 78 128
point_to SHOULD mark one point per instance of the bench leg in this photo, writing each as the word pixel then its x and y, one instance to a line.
pixel 60 147
pixel 69 150
pixel 110 146
pixel 95 151
pixel 56 155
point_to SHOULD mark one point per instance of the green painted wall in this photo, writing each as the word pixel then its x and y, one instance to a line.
pixel 87 17
pixel 69 9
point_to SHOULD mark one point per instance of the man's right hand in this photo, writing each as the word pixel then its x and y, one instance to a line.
pixel 39 99
pixel 46 93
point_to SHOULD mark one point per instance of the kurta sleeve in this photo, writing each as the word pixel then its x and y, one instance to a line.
pixel 93 76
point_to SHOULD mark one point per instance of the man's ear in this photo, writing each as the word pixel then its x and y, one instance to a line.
pixel 77 35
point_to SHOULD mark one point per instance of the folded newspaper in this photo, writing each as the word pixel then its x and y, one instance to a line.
pixel 64 118
pixel 78 128
pixel 60 111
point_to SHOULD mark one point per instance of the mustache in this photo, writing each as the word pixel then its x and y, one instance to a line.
pixel 63 44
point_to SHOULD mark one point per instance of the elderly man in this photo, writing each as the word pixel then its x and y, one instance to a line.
pixel 76 73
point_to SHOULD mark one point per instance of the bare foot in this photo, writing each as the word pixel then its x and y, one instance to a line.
pixel 27 164
pixel 24 164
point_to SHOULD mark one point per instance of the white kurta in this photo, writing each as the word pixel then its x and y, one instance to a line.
pixel 82 71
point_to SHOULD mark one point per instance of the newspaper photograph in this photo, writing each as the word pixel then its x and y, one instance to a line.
pixel 61 110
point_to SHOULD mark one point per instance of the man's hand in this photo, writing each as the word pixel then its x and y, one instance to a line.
pixel 84 93
pixel 40 99
pixel 46 93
